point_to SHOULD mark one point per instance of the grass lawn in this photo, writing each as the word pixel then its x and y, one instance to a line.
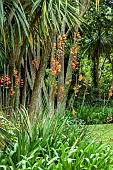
pixel 102 132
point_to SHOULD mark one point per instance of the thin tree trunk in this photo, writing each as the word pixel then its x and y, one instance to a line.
pixel 25 81
pixel 61 44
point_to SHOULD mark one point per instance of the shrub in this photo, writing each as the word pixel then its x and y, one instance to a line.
pixel 94 114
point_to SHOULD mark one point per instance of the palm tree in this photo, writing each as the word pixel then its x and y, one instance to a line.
pixel 27 31
pixel 98 39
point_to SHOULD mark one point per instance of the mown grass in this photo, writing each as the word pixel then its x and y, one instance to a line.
pixel 102 132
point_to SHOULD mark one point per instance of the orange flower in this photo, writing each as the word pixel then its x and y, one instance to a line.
pixel 110 93
pixel 53 73
pixel 56 63
pixel 77 63
pixel 74 57
pixel 60 38
pixel 79 86
pixel 67 82
pixel 72 52
pixel 53 64
pixel 52 59
pixel 80 77
pixel 17 81
pixel 55 91
pixel 12 91
pixel 73 66
pixel 2 79
pixel 74 88
pixel 62 89
pixel 15 72
pixel 59 68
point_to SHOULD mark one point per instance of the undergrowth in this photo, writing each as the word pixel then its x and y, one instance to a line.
pixel 55 143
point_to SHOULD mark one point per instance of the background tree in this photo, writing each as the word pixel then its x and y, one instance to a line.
pixel 97 41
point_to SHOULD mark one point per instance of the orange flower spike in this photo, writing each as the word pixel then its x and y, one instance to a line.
pixel 15 72
pixel 74 63
pixel 110 94
pixel 12 91
pixel 8 78
pixel 33 62
pixel 79 86
pixel 52 59
pixel 67 82
pixel 74 88
pixel 9 82
pixel 53 73
pixel 77 63
pixel 60 38
pixel 55 91
pixel 72 53
pixel 62 89
pixel 59 68
pixel 80 77
pixel 2 79
pixel 56 63
pixel 73 68
pixel 74 57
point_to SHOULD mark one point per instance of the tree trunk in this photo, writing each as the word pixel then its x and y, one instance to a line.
pixel 25 81
pixel 61 46
pixel 33 105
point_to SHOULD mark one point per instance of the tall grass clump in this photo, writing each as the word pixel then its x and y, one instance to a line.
pixel 49 144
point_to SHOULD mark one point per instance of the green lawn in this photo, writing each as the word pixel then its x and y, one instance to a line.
pixel 102 132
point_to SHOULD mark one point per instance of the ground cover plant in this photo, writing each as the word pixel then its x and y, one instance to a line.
pixel 51 143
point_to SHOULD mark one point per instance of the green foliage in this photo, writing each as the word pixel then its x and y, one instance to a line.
pixel 94 114
pixel 97 46
pixel 52 143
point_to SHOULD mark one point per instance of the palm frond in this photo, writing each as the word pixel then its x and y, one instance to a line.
pixel 52 12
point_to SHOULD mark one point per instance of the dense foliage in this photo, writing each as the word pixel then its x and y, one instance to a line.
pixel 55 143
